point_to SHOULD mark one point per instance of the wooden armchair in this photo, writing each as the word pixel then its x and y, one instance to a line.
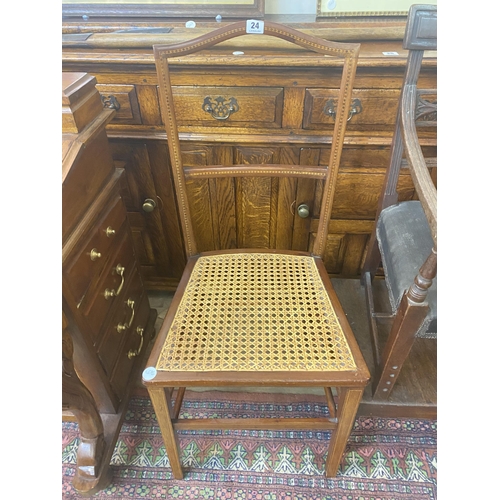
pixel 405 237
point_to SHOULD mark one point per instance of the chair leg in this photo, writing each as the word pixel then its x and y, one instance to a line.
pixel 178 402
pixel 349 400
pixel 372 258
pixel 162 404
pixel 330 402
pixel 372 323
pixel 408 319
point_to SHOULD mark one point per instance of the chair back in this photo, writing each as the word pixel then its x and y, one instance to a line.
pixel 341 56
pixel 415 109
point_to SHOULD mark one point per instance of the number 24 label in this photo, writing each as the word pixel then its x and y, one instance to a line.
pixel 254 26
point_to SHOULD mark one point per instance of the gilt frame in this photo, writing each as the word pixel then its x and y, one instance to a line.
pixel 364 8
pixel 233 9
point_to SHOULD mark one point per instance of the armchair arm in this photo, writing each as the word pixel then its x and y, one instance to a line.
pixel 426 190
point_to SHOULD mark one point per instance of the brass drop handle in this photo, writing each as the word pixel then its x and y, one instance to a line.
pixel 136 352
pixel 329 109
pixel 120 270
pixel 355 109
pixel 121 327
pixel 303 211
pixel 149 205
pixel 110 101
pixel 220 108
pixel 94 254
pixel 110 231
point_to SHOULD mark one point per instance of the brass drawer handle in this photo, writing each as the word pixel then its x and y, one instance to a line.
pixel 356 108
pixel 121 327
pixel 120 270
pixel 110 231
pixel 131 353
pixel 220 108
pixel 94 254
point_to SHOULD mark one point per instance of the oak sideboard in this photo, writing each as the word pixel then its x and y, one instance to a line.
pixel 268 104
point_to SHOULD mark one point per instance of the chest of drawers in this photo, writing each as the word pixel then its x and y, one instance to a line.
pixel 105 307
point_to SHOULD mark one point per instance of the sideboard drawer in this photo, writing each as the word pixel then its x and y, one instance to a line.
pixel 120 326
pixel 370 109
pixel 229 106
pixel 89 257
pixel 123 99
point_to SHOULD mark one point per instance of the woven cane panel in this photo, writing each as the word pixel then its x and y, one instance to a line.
pixel 247 312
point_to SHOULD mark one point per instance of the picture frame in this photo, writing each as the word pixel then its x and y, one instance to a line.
pixel 364 8
pixel 245 9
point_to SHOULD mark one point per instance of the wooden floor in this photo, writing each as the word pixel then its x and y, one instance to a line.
pixel 414 395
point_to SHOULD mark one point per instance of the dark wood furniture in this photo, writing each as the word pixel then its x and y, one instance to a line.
pixel 405 237
pixel 253 316
pixel 285 115
pixel 107 321
pixel 123 63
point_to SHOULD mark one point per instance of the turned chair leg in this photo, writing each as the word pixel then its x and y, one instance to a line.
pixel 408 319
pixel 349 400
pixel 162 404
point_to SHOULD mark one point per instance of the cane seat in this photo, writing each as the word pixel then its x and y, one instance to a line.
pixel 255 311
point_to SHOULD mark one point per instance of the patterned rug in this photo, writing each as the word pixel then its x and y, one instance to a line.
pixel 386 459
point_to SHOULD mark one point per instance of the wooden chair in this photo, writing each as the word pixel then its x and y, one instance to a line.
pixel 405 237
pixel 256 317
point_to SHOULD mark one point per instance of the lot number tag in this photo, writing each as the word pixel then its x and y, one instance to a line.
pixel 254 26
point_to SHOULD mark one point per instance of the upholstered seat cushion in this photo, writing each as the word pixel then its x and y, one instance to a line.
pixel 405 242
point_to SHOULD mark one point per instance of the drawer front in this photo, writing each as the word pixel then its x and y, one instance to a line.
pixel 122 321
pixel 369 157
pixel 87 177
pixel 133 346
pixel 89 258
pixel 369 109
pixel 123 99
pixel 110 287
pixel 229 106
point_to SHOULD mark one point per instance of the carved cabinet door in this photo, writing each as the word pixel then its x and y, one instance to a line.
pixel 147 190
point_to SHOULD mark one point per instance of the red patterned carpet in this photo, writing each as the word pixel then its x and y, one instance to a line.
pixel 386 459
